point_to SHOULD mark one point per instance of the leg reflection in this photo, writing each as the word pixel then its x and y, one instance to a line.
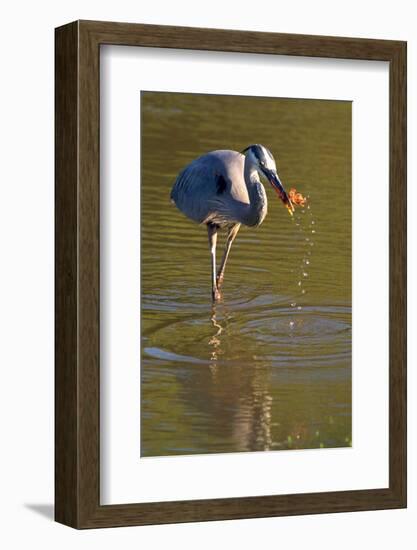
pixel 215 341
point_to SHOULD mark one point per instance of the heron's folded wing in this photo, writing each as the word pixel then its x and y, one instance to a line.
pixel 197 191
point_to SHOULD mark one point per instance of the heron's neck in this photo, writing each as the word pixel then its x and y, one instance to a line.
pixel 257 196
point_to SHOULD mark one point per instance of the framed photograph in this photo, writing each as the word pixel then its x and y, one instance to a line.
pixel 230 274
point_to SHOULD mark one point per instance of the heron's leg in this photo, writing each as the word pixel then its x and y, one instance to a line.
pixel 230 238
pixel 212 237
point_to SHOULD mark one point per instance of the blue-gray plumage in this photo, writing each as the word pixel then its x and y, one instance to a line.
pixel 222 189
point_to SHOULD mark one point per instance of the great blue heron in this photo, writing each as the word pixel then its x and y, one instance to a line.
pixel 222 189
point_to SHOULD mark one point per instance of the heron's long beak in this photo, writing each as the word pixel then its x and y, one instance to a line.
pixel 279 188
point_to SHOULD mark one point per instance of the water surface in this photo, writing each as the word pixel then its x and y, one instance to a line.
pixel 269 367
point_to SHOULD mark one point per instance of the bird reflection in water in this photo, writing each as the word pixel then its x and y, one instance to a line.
pixel 244 394
pixel 215 341
pixel 253 419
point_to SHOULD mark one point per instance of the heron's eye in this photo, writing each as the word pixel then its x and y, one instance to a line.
pixel 262 163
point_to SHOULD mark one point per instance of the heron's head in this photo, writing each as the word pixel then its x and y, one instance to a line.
pixel 261 159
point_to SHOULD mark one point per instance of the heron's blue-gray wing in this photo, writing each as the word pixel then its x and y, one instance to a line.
pixel 198 190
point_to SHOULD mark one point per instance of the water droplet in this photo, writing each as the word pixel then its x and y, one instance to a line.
pixel 313 231
pixel 312 222
pixel 306 261
pixel 291 324
pixel 293 304
pixel 299 307
pixel 303 291
pixel 305 274
pixel 299 283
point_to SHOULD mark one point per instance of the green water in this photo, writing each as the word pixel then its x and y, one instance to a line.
pixel 268 368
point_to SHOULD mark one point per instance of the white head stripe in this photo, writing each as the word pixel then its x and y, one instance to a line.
pixel 267 157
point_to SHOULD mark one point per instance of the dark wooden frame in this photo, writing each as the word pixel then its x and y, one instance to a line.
pixel 77 274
